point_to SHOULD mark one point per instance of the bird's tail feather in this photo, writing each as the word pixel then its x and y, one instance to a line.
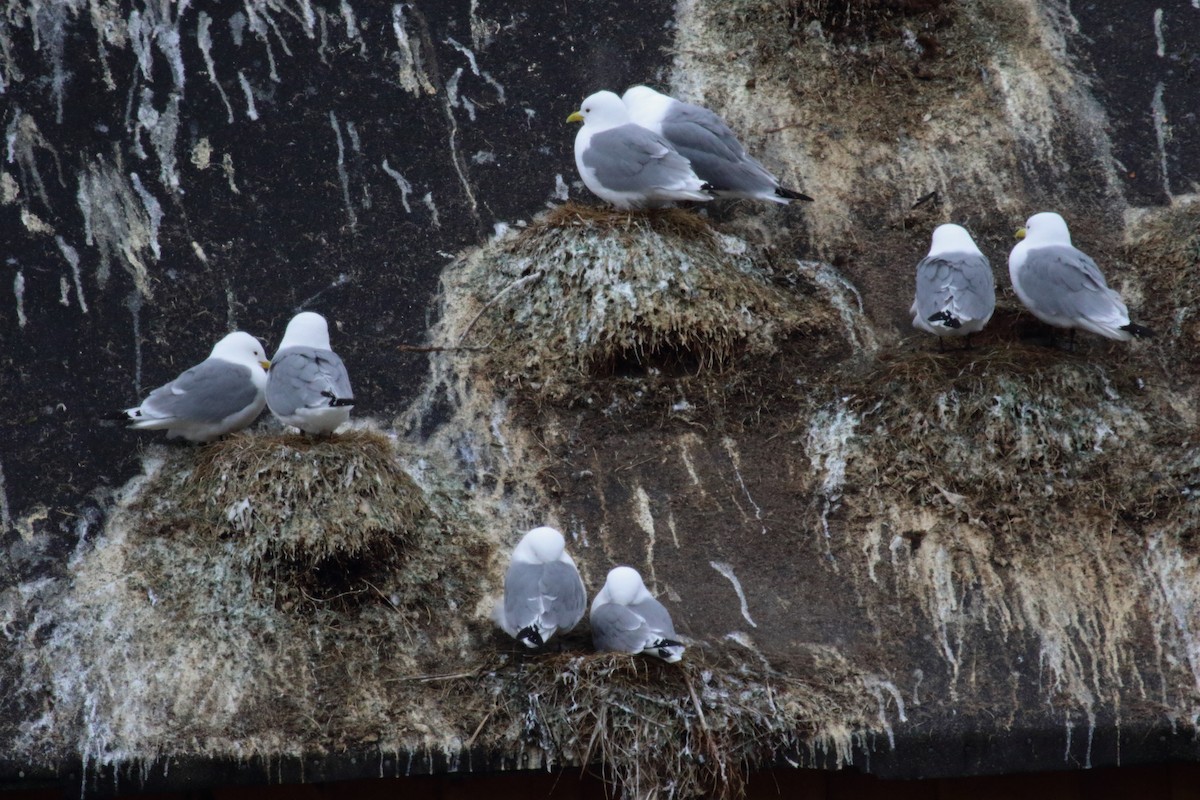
pixel 1140 331
pixel 946 318
pixel 791 194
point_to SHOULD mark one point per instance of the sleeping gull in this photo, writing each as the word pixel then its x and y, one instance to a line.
pixel 307 385
pixel 956 291
pixel 1062 286
pixel 221 394
pixel 626 164
pixel 705 140
pixel 627 619
pixel 543 592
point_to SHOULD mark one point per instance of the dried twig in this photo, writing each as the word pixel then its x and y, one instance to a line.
pixel 528 280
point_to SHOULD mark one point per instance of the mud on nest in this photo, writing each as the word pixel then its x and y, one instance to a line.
pixel 684 730
pixel 293 506
pixel 583 292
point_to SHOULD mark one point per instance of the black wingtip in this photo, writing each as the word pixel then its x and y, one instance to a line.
pixel 791 194
pixel 338 402
pixel 121 416
pixel 530 637
pixel 1140 331
pixel 946 318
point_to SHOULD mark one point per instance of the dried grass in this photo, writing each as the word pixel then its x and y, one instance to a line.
pixel 692 729
pixel 602 289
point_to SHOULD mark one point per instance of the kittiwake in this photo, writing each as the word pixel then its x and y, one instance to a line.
pixel 1062 286
pixel 221 394
pixel 704 139
pixel 627 619
pixel 626 164
pixel 307 385
pixel 956 291
pixel 543 592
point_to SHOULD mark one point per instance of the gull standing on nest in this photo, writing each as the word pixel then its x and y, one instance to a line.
pixel 956 291
pixel 1062 286
pixel 222 394
pixel 627 619
pixel 626 164
pixel 704 139
pixel 307 386
pixel 543 592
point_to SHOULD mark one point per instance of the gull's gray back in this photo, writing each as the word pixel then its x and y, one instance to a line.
pixel 208 393
pixel 716 155
pixel 629 629
pixel 550 592
pixel 630 158
pixel 962 278
pixel 1061 281
pixel 306 377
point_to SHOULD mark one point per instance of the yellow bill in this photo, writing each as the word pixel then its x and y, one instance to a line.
pixel 575 117
pixel 265 364
pixel 1020 234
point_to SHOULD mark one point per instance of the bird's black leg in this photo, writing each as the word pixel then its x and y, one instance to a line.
pixel 967 342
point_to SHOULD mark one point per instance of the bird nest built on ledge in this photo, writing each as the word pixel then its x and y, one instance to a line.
pixel 583 291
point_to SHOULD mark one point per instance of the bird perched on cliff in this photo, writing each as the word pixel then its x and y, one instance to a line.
pixel 956 291
pixel 307 385
pixel 1062 286
pixel 221 394
pixel 704 139
pixel 543 592
pixel 627 619
pixel 626 164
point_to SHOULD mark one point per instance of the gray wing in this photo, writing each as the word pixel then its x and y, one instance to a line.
pixel 962 282
pixel 619 629
pixel 552 593
pixel 1064 282
pixel 658 619
pixel 716 155
pixel 630 158
pixel 208 392
pixel 306 377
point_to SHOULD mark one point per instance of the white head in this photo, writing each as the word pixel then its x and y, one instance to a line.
pixel 601 111
pixel 952 239
pixel 306 330
pixel 623 586
pixel 645 99
pixel 540 546
pixel 240 348
pixel 1047 228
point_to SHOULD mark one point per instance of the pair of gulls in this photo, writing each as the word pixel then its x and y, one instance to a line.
pixel 543 594
pixel 305 386
pixel 646 150
pixel 1062 286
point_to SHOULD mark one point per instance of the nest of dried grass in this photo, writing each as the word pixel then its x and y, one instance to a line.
pixel 309 513
pixel 692 729
pixel 584 291
pixel 1164 248
pixel 1022 441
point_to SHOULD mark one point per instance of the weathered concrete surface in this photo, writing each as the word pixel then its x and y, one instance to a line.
pixel 998 546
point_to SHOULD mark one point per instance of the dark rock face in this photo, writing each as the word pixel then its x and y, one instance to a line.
pixel 169 178
pixel 958 563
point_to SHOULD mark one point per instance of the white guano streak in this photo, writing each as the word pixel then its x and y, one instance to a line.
pixel 727 571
